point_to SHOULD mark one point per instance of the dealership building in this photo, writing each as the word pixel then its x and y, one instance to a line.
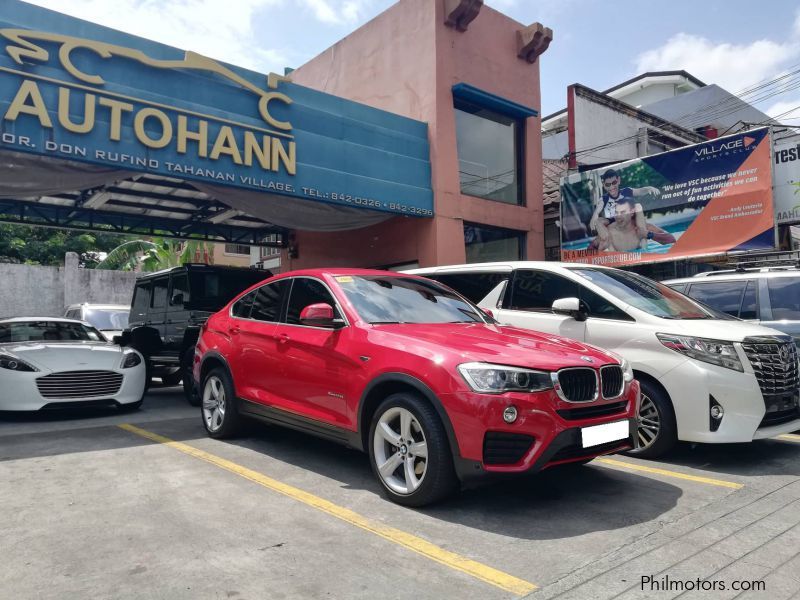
pixel 414 141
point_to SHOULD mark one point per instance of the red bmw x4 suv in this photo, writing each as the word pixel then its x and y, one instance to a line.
pixel 407 370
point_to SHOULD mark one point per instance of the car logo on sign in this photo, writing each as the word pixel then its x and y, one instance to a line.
pixel 587 358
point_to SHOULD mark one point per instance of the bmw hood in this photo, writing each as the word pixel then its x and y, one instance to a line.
pixel 498 344
pixel 66 356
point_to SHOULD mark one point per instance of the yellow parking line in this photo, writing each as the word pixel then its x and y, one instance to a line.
pixel 455 561
pixel 666 473
pixel 789 437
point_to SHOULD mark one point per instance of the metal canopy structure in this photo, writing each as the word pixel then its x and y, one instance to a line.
pixel 103 130
pixel 144 204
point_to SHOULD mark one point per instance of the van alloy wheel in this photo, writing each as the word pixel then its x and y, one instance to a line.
pixel 401 451
pixel 214 403
pixel 649 425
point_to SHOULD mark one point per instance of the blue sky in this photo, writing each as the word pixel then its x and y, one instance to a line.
pixel 599 43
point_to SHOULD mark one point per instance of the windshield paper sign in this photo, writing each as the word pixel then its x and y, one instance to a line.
pixel 705 199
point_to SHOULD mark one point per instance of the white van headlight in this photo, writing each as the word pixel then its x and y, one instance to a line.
pixel 715 352
pixel 496 379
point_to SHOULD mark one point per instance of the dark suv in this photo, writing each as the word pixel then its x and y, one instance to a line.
pixel 168 309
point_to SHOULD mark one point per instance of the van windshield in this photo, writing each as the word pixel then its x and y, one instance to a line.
pixel 647 295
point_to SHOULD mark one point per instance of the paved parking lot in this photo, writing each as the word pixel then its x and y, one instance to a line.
pixel 144 505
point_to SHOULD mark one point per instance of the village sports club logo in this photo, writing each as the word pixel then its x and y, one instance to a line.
pixel 712 151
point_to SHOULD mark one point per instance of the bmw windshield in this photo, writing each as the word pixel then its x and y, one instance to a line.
pixel 388 299
pixel 647 295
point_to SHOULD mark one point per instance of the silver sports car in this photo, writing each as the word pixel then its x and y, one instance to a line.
pixel 59 363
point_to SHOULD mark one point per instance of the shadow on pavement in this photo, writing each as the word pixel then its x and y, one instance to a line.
pixel 762 457
pixel 555 504
pixel 558 503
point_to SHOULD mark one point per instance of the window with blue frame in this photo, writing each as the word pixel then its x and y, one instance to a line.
pixel 490 153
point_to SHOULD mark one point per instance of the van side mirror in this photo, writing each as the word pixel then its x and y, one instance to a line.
pixel 570 307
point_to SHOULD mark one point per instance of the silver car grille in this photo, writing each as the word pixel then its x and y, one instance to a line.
pixel 79 384
pixel 774 362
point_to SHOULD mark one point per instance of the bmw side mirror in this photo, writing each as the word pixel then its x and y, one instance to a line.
pixel 320 315
pixel 569 307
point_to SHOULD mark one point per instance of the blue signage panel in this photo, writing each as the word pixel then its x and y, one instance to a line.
pixel 76 90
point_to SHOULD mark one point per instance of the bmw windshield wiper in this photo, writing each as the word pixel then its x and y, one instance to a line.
pixel 386 322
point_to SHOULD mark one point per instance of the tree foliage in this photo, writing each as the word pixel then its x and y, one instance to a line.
pixel 46 246
pixel 154 255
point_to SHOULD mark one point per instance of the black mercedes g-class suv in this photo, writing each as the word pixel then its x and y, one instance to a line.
pixel 168 309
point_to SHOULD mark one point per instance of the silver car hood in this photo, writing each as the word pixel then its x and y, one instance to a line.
pixel 66 356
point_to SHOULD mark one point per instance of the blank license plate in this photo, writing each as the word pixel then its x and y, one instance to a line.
pixel 602 434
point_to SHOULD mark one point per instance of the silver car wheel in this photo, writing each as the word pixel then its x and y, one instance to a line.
pixel 400 450
pixel 649 423
pixel 214 403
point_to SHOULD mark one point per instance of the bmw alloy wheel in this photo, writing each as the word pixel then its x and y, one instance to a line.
pixel 214 403
pixel 649 422
pixel 401 451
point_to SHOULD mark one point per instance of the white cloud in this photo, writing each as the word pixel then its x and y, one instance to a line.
pixel 785 109
pixel 337 12
pixel 731 66
pixel 220 30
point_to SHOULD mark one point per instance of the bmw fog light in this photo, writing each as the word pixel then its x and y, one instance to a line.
pixel 717 412
pixel 510 414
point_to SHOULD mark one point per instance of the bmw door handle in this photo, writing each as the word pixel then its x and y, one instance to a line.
pixel 282 338
pixel 234 330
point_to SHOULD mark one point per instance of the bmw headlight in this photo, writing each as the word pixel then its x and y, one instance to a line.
pixel 710 351
pixel 12 363
pixel 496 379
pixel 132 359
pixel 627 370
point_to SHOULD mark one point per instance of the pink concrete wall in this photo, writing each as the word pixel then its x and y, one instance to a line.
pixel 406 61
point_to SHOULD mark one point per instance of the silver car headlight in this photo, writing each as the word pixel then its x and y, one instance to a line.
pixel 130 360
pixel 497 379
pixel 715 352
pixel 12 363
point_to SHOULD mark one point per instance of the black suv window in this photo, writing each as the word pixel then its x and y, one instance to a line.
pixel 211 290
pixel 537 290
pixel 722 295
pixel 306 291
pixel 473 286
pixel 267 303
pixel 241 308
pixel 159 293
pixel 141 301
pixel 784 296
pixel 180 285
